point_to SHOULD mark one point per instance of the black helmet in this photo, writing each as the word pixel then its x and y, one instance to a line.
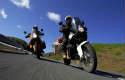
pixel 35 27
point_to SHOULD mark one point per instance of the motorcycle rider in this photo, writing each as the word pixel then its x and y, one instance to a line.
pixel 66 29
pixel 33 36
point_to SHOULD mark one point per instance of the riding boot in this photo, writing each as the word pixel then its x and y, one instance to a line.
pixel 64 55
pixel 68 57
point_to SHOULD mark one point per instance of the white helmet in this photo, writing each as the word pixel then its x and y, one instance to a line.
pixel 68 17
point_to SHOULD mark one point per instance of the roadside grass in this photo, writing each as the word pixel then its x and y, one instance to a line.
pixel 56 57
pixel 114 48
pixel 111 57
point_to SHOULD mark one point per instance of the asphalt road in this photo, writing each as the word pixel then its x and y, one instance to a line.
pixel 27 67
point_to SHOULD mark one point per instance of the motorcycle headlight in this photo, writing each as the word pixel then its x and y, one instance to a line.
pixel 34 35
pixel 81 29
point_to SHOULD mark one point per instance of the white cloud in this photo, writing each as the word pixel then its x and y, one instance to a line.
pixel 54 17
pixel 21 3
pixel 3 14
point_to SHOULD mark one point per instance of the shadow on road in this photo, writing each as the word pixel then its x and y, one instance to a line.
pixel 54 61
pixel 108 74
pixel 97 72
pixel 103 73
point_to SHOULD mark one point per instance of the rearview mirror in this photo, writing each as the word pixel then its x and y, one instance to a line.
pixel 41 29
pixel 60 23
pixel 82 22
pixel 25 32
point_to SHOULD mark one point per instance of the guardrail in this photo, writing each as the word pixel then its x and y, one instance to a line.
pixel 10 48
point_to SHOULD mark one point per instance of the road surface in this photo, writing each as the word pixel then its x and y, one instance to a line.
pixel 27 67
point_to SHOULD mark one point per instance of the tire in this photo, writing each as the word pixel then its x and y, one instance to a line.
pixel 89 67
pixel 37 51
pixel 67 61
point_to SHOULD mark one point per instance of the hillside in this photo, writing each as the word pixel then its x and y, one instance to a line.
pixel 18 41
pixel 14 41
pixel 111 57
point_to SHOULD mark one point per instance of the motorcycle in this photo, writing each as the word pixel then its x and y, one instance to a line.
pixel 36 45
pixel 80 49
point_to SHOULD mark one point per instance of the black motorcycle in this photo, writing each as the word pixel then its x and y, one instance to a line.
pixel 79 48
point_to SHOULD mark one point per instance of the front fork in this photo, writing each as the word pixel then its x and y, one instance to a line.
pixel 79 49
pixel 36 47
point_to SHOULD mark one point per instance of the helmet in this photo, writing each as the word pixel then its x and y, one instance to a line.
pixel 35 27
pixel 68 17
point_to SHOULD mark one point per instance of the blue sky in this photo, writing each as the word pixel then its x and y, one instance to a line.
pixel 104 18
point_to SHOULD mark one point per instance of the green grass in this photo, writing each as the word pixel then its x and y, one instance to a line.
pixel 56 57
pixel 117 50
pixel 110 57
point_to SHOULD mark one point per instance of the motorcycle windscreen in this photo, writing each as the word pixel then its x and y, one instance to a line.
pixel 75 24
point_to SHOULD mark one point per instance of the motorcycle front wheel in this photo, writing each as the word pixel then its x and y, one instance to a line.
pixel 89 60
pixel 36 50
